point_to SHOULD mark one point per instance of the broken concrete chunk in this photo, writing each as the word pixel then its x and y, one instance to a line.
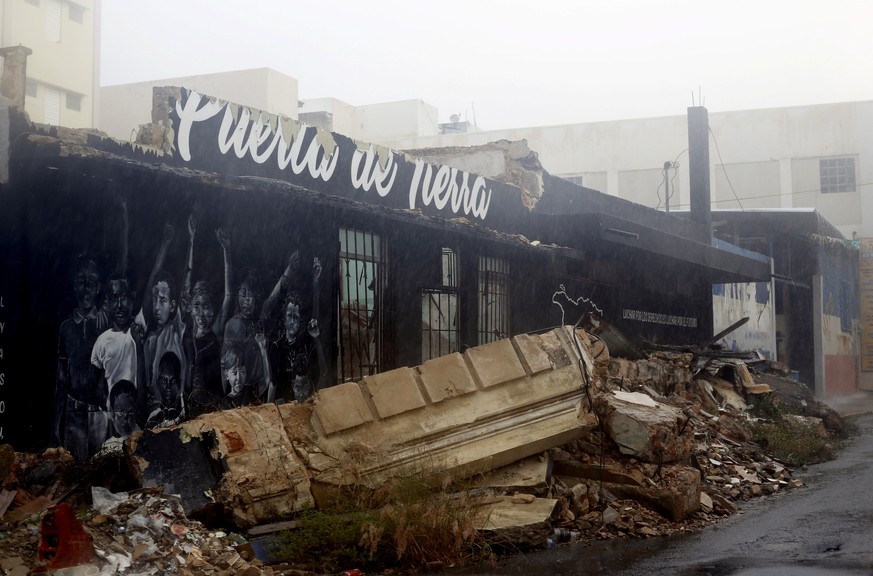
pixel 527 524
pixel 650 433
pixel 676 496
pixel 237 461
pixel 529 475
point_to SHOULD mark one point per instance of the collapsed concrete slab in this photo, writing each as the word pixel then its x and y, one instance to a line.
pixel 676 496
pixel 516 520
pixel 455 415
pixel 644 428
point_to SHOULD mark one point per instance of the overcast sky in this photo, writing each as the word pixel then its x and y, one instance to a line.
pixel 508 63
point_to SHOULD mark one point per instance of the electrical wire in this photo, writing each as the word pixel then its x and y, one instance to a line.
pixel 711 133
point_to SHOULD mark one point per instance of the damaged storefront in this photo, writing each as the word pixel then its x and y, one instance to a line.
pixel 246 318
pixel 252 259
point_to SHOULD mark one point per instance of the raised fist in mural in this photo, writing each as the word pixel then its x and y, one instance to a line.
pixel 312 328
pixel 316 269
pixel 223 238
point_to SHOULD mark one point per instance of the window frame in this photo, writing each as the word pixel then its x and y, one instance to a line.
pixel 837 175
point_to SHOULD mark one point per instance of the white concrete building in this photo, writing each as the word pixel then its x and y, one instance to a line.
pixel 125 107
pixel 817 156
pixel 63 71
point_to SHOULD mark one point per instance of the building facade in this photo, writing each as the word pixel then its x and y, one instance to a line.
pixel 816 156
pixel 63 70
pixel 397 261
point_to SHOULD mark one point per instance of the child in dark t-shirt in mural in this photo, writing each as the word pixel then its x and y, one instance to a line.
pixel 172 406
pixel 248 321
pixel 76 404
pixel 297 358
pixel 122 415
pixel 161 316
pixel 241 390
pixel 203 337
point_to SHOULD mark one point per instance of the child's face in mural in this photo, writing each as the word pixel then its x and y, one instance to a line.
pixel 236 379
pixel 246 299
pixel 292 320
pixel 123 414
pixel 162 302
pixel 202 312
pixel 168 384
pixel 120 305
pixel 86 285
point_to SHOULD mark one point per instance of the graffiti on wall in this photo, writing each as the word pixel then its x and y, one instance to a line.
pixel 732 302
pixel 206 128
pixel 201 337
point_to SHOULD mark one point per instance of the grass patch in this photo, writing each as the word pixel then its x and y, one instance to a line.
pixel 794 443
pixel 406 524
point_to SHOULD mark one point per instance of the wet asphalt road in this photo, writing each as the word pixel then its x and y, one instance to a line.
pixel 825 528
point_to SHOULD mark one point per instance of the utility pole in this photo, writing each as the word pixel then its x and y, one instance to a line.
pixel 667 166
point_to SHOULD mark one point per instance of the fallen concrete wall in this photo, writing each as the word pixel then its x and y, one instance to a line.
pixel 455 415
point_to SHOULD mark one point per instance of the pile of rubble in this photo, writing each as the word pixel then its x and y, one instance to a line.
pixel 671 451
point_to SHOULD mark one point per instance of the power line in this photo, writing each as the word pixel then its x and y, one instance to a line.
pixel 711 133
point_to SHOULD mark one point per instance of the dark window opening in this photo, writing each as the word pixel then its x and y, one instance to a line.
pixel 493 295
pixel 77 13
pixel 440 326
pixel 74 102
pixel 361 286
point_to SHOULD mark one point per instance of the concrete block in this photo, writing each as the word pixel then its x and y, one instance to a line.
pixel 394 392
pixel 533 355
pixel 446 377
pixel 495 363
pixel 341 407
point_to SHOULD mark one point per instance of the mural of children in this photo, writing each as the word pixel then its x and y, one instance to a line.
pixel 241 329
pixel 241 391
pixel 297 357
pixel 117 354
pixel 75 397
pixel 202 343
pixel 122 409
pixel 172 407
pixel 162 318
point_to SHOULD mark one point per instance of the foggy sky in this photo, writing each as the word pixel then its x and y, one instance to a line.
pixel 508 63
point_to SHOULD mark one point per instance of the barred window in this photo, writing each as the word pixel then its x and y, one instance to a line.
pixel 493 296
pixel 361 285
pixel 837 175
pixel 440 326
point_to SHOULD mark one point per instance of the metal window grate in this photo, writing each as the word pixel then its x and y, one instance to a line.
pixel 439 312
pixel 361 286
pixel 493 296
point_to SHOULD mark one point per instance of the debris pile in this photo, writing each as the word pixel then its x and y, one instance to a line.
pixel 671 450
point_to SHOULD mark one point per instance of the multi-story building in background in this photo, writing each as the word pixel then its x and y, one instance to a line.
pixel 63 69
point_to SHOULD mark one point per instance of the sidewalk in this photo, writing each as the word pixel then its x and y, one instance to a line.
pixel 860 402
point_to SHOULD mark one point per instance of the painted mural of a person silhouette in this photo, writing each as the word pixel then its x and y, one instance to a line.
pixel 203 338
pixel 249 320
pixel 76 396
pixel 161 316
pixel 117 355
pixel 298 364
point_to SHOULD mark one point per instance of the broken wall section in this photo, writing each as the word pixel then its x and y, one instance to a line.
pixel 455 415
